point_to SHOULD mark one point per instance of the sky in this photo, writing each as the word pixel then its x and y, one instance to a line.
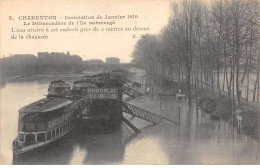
pixel 152 14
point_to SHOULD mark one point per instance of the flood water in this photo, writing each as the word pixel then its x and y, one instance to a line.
pixel 197 141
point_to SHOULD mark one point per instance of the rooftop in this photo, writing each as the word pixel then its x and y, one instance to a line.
pixel 59 83
pixel 85 84
pixel 45 105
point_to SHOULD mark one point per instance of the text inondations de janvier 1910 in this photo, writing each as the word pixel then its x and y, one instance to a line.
pixel 43 27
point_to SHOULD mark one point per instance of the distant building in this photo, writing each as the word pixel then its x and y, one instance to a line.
pixel 112 60
pixel 58 58
pixel 44 58
pixel 94 61
pixel 19 64
pixel 22 59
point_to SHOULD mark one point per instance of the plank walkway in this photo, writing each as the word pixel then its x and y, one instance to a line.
pixel 145 115
pixel 131 92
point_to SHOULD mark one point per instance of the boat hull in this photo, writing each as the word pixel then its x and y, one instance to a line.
pixel 97 125
pixel 17 152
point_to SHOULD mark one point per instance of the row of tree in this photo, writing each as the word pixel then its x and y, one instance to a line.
pixel 212 46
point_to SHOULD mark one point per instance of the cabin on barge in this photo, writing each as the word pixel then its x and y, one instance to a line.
pixel 45 120
pixel 103 112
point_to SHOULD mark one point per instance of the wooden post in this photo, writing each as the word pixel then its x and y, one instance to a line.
pixel 160 102
pixel 131 125
pixel 239 125
pixel 35 137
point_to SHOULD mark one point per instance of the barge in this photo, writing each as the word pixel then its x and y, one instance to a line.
pixel 103 112
pixel 46 120
pixel 93 104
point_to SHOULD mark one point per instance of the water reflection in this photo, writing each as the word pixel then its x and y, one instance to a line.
pixel 77 148
pixel 60 152
pixel 102 148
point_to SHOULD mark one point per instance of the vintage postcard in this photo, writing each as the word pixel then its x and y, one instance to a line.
pixel 129 82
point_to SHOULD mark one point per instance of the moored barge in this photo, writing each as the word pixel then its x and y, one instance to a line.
pixel 104 95
pixel 94 103
pixel 45 120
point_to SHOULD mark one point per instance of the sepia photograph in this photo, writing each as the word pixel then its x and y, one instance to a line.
pixel 129 82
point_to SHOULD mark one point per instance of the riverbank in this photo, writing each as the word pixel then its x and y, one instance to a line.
pixel 223 110
pixel 63 76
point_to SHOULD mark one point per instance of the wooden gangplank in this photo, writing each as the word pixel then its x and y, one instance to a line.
pixel 131 92
pixel 130 125
pixel 134 83
pixel 145 115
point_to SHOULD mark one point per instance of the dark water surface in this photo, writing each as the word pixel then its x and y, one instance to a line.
pixel 197 141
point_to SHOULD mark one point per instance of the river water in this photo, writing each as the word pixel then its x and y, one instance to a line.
pixel 198 140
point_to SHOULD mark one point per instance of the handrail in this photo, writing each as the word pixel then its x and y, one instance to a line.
pixel 144 114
